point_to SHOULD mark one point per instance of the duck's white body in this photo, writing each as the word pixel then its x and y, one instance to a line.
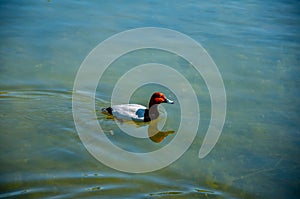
pixel 133 112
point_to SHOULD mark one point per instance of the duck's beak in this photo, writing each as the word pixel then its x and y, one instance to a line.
pixel 168 101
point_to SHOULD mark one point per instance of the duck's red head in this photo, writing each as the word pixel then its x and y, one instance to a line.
pixel 158 98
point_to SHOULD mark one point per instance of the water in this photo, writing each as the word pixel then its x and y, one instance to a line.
pixel 256 47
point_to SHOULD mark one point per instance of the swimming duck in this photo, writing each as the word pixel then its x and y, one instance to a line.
pixel 137 112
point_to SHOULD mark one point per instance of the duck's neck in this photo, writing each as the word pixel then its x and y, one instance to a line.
pixel 151 113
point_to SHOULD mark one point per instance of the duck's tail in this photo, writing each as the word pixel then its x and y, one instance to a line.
pixel 107 110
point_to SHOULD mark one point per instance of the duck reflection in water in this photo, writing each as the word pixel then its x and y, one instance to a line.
pixel 156 135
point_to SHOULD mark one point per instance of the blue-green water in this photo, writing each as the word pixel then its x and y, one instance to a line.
pixel 255 45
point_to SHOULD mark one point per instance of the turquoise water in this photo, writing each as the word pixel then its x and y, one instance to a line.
pixel 255 46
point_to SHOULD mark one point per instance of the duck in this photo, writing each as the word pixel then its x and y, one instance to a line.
pixel 137 112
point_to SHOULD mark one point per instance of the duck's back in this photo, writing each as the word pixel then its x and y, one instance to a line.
pixel 133 112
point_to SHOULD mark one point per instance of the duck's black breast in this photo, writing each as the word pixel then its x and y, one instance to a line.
pixel 146 116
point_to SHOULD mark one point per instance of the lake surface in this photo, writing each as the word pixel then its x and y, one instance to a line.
pixel 256 46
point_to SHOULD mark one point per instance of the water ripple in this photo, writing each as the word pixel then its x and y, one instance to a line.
pixel 110 185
